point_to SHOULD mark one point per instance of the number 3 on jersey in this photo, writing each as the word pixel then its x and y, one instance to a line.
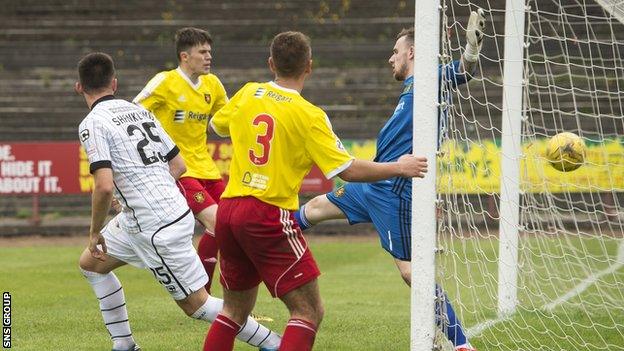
pixel 264 140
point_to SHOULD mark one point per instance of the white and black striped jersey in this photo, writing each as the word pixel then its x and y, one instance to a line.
pixel 128 139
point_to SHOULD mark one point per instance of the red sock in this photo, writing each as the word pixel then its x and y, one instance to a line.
pixel 298 336
pixel 207 252
pixel 221 334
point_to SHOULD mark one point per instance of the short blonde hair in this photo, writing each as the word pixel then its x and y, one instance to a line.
pixel 409 32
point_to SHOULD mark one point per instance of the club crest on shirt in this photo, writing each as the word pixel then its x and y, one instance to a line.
pixel 339 192
pixel 199 197
pixel 207 98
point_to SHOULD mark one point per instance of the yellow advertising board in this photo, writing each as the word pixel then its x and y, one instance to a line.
pixel 475 168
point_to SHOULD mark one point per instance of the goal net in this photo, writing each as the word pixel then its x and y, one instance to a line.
pixel 569 293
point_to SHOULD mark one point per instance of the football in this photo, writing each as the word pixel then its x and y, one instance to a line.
pixel 566 151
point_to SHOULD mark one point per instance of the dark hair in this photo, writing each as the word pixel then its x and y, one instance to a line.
pixel 291 53
pixel 188 37
pixel 96 72
pixel 409 32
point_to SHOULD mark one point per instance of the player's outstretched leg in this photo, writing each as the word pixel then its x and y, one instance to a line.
pixel 250 331
pixel 449 323
pixel 203 202
pixel 207 251
pixel 317 210
pixel 110 294
pixel 306 314
pixel 231 320
pixel 207 247
pixel 112 301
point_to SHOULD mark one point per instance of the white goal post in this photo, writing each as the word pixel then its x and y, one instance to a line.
pixel 531 258
pixel 511 144
pixel 427 15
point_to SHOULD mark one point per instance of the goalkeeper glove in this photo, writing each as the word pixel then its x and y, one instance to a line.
pixel 474 35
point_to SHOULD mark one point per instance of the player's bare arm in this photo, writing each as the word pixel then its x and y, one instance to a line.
pixel 367 171
pixel 177 167
pixel 100 204
pixel 321 209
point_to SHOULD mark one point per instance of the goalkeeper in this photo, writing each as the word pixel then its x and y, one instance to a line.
pixel 387 204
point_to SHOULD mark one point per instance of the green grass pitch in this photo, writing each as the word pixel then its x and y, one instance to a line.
pixel 366 302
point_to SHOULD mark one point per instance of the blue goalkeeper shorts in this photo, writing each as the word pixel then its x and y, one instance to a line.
pixel 390 214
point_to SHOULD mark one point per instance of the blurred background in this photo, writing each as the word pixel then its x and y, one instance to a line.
pixel 41 42
pixel 573 84
pixel 570 252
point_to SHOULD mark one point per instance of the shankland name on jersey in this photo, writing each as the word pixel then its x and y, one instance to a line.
pixel 133 116
pixel 122 136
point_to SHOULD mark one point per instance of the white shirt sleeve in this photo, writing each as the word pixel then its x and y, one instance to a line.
pixel 94 139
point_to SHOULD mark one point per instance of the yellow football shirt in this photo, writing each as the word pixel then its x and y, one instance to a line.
pixel 277 136
pixel 183 109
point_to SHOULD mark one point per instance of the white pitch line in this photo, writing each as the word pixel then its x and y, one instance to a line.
pixel 582 286
pixel 586 283
pixel 479 328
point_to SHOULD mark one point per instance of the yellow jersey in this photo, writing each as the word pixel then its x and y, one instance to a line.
pixel 277 136
pixel 183 109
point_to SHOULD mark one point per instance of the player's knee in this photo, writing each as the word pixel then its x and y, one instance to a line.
pixel 87 263
pixel 316 203
pixel 313 311
pixel 84 264
pixel 317 313
pixel 237 315
pixel 91 274
pixel 314 208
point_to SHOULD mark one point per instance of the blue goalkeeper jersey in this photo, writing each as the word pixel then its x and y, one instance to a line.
pixel 395 138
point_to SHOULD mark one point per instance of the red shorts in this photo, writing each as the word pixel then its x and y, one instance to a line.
pixel 261 242
pixel 201 193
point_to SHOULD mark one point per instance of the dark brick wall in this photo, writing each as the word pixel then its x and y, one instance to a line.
pixel 41 41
